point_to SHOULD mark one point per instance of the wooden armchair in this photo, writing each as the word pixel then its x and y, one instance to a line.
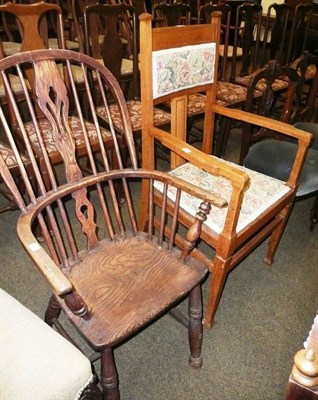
pixel 109 278
pixel 251 215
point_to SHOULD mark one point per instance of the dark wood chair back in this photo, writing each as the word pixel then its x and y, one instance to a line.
pixel 298 33
pixel 248 24
pixel 116 24
pixel 166 14
pixel 272 103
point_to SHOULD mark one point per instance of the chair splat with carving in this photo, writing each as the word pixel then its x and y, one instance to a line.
pixel 109 278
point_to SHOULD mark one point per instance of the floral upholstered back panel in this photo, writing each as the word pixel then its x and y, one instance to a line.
pixel 182 68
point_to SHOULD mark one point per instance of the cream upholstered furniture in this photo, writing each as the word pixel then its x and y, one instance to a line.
pixel 36 362
pixel 177 62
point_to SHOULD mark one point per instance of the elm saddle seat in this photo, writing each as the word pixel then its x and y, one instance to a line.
pixel 109 278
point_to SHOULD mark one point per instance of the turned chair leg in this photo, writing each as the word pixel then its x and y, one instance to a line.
pixel 53 311
pixel 195 329
pixel 109 376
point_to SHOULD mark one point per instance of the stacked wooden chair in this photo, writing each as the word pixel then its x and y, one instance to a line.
pixel 250 216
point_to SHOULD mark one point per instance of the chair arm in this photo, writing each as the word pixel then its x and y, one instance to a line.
pixel 238 179
pixel 58 281
pixel 211 164
pixel 304 138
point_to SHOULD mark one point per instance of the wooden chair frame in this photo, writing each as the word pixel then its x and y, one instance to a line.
pixel 230 246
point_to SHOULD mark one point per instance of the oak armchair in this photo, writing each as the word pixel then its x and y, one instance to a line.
pixel 175 63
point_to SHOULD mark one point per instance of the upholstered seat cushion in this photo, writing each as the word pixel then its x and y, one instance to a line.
pixel 70 45
pixel 76 128
pixel 278 84
pixel 11 48
pixel 262 193
pixel 9 157
pixel 239 51
pixel 276 158
pixel 36 362
pixel 126 66
pixel 161 117
pixel 232 93
pixel 15 85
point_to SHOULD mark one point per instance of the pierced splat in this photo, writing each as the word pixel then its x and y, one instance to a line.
pixel 53 100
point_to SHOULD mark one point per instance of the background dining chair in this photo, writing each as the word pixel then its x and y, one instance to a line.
pixel 169 14
pixel 110 279
pixel 111 17
pixel 279 88
pixel 251 216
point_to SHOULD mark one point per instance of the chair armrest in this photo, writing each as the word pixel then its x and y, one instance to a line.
pixel 56 278
pixel 239 179
pixel 58 281
pixel 304 138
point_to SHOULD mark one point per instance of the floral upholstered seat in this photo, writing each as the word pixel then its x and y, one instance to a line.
pixel 263 192
pixel 278 84
pixel 161 117
pixel 47 134
pixel 232 93
pixel 8 156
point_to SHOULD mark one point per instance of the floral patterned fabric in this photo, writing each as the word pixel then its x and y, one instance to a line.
pixel 262 193
pixel 279 84
pixel 8 156
pixel 161 117
pixel 196 104
pixel 181 68
pixel 77 131
pixel 232 93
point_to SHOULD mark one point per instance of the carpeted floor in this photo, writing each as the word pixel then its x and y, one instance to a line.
pixel 264 317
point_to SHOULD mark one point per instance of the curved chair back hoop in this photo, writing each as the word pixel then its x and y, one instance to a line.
pixel 54 89
pixel 267 78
